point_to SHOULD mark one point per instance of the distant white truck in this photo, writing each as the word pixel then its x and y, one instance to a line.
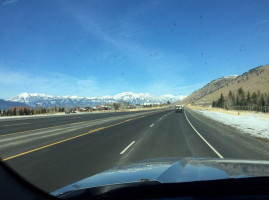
pixel 178 108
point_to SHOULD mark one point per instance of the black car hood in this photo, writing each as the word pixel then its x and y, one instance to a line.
pixel 173 170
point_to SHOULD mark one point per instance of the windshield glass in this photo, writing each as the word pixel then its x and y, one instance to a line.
pixel 87 86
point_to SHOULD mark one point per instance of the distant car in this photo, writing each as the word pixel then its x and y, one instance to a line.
pixel 178 108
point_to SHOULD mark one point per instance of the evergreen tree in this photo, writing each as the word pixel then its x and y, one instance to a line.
pixel 220 102
pixel 26 111
pixel 267 100
pixel 21 111
pixel 213 104
pixel 116 105
pixel 237 100
pixel 231 99
pixel 262 101
pixel 15 112
pixel 9 113
pixel 240 91
pixel 241 101
pixel 248 99
pixel 230 93
pixel 254 98
pixel 259 94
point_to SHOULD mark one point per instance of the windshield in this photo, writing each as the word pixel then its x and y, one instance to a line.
pixel 87 86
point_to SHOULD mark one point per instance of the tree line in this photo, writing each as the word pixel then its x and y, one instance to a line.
pixel 241 100
pixel 23 110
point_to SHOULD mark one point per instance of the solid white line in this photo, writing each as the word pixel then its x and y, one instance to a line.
pixel 127 147
pixel 151 125
pixel 15 124
pixel 219 155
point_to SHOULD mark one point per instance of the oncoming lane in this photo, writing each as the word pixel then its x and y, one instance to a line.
pixel 15 125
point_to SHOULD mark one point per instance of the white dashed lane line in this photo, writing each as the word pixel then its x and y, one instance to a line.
pixel 127 147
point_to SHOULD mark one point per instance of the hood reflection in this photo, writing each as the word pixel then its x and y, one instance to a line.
pixel 174 170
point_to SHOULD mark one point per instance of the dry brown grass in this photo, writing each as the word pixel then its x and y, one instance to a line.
pixel 252 81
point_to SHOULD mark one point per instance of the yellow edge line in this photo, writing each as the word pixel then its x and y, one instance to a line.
pixel 61 141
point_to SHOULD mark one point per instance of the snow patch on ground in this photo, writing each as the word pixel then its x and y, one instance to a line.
pixel 30 116
pixel 255 124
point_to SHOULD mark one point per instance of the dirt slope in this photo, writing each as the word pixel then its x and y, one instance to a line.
pixel 252 81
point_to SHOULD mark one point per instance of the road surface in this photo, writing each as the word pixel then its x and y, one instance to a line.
pixel 53 152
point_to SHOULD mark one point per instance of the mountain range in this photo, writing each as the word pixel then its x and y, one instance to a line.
pixel 256 79
pixel 4 105
pixel 35 99
pixel 252 81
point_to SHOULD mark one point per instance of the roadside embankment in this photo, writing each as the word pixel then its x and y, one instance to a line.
pixel 251 123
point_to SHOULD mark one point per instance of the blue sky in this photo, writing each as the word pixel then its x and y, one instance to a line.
pixel 94 48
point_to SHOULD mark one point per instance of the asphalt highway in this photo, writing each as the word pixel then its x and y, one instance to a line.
pixel 56 151
pixel 29 123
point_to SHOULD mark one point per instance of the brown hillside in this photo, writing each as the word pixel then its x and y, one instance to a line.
pixel 252 81
pixel 207 89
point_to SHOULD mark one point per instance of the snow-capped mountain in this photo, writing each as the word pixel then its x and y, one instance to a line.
pixel 5 105
pixel 35 99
